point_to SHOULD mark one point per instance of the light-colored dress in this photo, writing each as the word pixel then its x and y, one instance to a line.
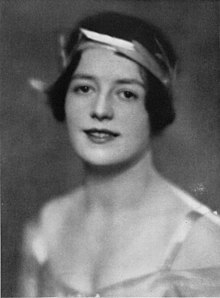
pixel 191 267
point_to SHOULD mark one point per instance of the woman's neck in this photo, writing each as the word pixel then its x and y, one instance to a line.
pixel 120 189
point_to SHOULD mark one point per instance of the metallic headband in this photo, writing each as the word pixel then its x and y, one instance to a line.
pixel 131 50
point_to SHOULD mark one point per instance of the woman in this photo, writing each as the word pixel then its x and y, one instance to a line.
pixel 125 231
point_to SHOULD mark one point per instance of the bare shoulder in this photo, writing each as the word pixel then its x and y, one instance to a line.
pixel 43 230
pixel 183 197
pixel 201 227
pixel 206 235
pixel 201 247
pixel 180 201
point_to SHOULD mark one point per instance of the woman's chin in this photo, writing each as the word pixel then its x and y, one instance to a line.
pixel 109 164
pixel 99 161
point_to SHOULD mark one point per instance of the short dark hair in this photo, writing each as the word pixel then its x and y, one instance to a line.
pixel 159 100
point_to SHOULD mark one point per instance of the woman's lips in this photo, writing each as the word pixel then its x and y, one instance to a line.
pixel 100 136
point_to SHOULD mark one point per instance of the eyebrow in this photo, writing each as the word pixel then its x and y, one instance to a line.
pixel 82 76
pixel 130 81
pixel 119 81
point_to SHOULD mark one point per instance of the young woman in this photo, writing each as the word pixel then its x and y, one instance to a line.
pixel 126 231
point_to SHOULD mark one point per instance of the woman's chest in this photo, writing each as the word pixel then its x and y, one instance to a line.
pixel 88 260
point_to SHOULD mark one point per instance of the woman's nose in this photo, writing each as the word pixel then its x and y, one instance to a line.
pixel 102 108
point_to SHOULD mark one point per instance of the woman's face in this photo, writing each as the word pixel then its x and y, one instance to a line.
pixel 105 111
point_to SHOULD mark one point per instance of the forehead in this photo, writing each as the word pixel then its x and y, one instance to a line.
pixel 102 62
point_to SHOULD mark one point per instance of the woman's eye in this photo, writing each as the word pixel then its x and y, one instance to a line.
pixel 82 89
pixel 128 95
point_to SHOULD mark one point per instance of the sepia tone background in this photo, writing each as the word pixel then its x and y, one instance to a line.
pixel 37 160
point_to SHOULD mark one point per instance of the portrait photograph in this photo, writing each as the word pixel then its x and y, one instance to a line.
pixel 110 136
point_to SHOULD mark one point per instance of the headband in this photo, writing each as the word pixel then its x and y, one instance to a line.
pixel 130 50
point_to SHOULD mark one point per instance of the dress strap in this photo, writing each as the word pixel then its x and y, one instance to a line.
pixel 179 237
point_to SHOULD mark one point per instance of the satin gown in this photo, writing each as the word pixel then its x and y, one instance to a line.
pixel 181 274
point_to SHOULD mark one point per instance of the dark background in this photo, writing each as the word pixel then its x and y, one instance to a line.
pixel 37 160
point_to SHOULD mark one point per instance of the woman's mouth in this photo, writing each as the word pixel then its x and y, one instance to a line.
pixel 100 136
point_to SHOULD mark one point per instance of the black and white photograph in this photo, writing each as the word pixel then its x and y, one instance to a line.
pixel 110 113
